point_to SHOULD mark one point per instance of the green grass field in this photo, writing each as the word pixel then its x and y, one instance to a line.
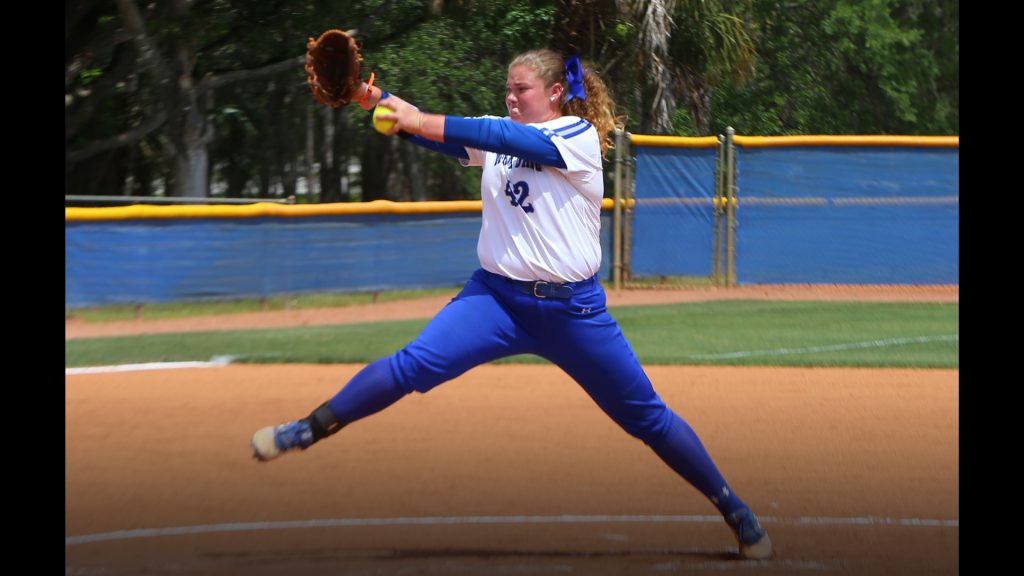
pixel 742 333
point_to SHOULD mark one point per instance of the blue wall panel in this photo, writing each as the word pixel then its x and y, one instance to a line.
pixel 673 217
pixel 886 215
pixel 140 261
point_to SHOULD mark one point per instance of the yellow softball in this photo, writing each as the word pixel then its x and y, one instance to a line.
pixel 379 125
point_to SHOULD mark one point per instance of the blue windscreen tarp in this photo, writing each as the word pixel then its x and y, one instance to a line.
pixel 155 260
pixel 673 217
pixel 862 215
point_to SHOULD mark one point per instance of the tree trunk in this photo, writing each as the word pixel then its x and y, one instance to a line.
pixel 190 129
pixel 142 178
pixel 312 189
pixel 344 147
pixel 451 187
pixel 289 179
pixel 697 92
pixel 191 170
pixel 264 177
pixel 286 140
pixel 238 178
pixel 330 177
pixel 414 171
pixel 375 164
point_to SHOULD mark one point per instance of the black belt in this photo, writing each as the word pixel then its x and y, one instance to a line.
pixel 544 289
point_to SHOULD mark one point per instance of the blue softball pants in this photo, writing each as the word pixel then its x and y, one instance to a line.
pixel 492 318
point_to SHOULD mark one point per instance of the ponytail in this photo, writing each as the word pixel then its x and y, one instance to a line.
pixel 598 108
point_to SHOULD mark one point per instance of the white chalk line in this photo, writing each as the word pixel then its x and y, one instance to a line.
pixel 833 348
pixel 479 520
pixel 217 362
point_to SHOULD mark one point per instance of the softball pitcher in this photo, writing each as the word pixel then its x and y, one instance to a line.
pixel 536 291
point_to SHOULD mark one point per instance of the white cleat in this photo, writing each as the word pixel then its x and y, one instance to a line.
pixel 264 448
pixel 270 442
pixel 760 550
pixel 753 541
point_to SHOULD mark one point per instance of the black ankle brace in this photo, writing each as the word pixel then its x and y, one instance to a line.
pixel 323 423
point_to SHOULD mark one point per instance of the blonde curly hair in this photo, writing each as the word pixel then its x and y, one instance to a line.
pixel 598 108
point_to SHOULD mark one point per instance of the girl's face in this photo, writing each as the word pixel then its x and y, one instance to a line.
pixel 526 98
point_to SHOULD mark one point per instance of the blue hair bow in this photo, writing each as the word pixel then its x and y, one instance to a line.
pixel 574 76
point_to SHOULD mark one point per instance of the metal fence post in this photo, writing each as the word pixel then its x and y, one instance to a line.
pixel 617 215
pixel 628 184
pixel 730 208
pixel 718 205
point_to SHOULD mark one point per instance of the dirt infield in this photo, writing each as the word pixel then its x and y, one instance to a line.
pixel 508 469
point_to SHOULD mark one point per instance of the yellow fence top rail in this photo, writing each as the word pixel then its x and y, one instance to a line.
pixel 266 209
pixel 674 141
pixel 824 140
pixel 810 140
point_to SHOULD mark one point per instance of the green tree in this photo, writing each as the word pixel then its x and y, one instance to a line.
pixel 850 67
pixel 180 53
pixel 217 90
pixel 210 95
pixel 439 64
pixel 685 49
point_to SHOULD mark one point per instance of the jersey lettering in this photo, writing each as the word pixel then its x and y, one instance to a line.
pixel 517 193
pixel 514 162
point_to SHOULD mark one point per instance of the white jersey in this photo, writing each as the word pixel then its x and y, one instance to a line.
pixel 542 222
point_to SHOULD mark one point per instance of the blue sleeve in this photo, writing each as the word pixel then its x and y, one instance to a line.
pixel 503 136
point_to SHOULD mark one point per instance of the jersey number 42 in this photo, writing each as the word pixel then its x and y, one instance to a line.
pixel 518 193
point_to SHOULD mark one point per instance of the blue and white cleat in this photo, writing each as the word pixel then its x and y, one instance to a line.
pixel 753 540
pixel 270 442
